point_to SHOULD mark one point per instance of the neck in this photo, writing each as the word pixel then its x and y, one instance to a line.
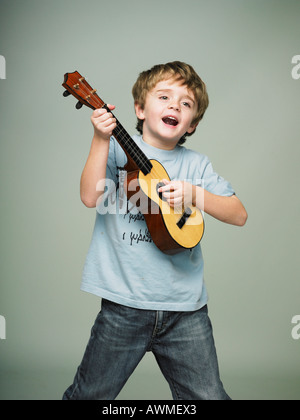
pixel 160 144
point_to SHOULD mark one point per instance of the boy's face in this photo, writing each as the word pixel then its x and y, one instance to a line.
pixel 168 114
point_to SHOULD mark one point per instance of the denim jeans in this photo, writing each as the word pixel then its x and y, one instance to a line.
pixel 182 343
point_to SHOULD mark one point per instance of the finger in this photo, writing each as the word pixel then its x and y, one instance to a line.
pixel 101 111
pixel 175 202
pixel 107 117
pixel 105 122
pixel 172 191
pixel 98 112
pixel 103 118
pixel 107 125
pixel 166 187
pixel 172 198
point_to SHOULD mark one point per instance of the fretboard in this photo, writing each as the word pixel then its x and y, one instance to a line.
pixel 128 144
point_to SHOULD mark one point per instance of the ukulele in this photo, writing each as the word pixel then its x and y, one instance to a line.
pixel 172 229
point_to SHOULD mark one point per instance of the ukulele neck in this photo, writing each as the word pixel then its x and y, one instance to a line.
pixel 129 145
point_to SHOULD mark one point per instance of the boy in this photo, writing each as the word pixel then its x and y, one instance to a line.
pixel 151 301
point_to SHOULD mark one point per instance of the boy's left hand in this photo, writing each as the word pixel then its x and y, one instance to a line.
pixel 177 193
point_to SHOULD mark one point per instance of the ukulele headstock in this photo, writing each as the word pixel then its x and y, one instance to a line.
pixel 76 85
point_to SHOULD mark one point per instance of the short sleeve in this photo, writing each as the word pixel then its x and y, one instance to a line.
pixel 214 183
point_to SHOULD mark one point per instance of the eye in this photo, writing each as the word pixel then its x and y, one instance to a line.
pixel 187 104
pixel 163 97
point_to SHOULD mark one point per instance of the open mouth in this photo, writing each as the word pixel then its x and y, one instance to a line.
pixel 170 121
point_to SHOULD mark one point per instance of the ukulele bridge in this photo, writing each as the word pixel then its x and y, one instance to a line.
pixel 182 221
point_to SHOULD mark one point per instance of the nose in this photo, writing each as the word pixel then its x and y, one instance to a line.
pixel 175 105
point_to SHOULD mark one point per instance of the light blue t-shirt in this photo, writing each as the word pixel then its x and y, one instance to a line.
pixel 123 264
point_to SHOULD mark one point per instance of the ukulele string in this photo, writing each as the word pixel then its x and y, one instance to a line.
pixel 140 155
pixel 126 139
pixel 133 149
pixel 136 152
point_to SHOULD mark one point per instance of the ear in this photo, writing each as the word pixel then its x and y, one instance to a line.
pixel 192 128
pixel 139 111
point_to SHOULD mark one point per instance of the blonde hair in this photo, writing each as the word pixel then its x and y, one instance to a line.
pixel 178 71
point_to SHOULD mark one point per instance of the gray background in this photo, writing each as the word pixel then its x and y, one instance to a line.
pixel 243 51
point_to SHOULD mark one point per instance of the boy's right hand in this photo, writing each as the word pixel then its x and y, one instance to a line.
pixel 104 123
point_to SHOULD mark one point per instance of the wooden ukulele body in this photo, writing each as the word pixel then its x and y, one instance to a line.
pixel 162 220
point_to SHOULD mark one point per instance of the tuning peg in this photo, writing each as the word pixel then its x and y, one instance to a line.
pixel 66 93
pixel 79 105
